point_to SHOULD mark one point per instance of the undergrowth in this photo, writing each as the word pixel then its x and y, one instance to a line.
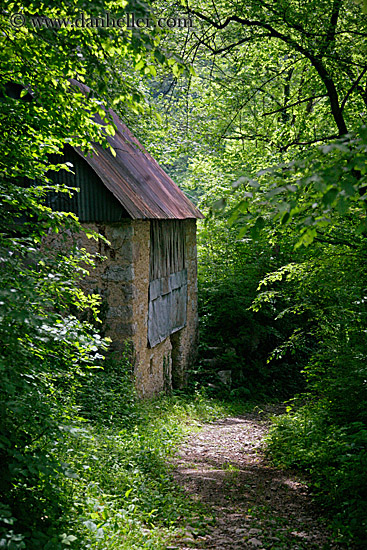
pixel 116 491
pixel 335 458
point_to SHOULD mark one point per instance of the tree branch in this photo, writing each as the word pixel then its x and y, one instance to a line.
pixel 294 104
pixel 227 48
pixel 311 142
pixel 355 85
pixel 249 137
pixel 330 34
pixel 260 89
pixel 315 60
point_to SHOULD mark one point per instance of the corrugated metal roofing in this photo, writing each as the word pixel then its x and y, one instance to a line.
pixel 135 178
pixel 94 203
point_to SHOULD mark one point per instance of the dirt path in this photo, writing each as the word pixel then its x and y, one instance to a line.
pixel 255 506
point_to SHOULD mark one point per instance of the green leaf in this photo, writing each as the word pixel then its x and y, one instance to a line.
pixel 256 229
pixel 219 204
pixel 153 70
pixel 140 65
pixel 330 196
pixel 110 130
pixel 285 218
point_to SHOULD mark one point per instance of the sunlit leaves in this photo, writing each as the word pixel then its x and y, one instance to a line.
pixel 310 193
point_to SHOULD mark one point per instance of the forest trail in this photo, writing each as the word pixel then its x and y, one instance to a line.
pixel 255 505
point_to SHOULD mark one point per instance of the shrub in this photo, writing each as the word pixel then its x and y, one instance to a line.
pixel 335 458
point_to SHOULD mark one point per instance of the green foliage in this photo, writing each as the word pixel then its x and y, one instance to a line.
pixel 292 75
pixel 233 335
pixel 310 197
pixel 277 113
pixel 107 396
pixel 326 437
pixel 122 491
pixel 46 350
pixel 102 481
pixel 334 456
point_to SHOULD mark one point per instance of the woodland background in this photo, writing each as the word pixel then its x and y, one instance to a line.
pixel 259 113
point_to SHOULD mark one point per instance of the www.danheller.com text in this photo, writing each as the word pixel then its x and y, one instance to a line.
pixel 106 20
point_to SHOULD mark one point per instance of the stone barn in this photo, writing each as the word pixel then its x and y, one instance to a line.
pixel 148 283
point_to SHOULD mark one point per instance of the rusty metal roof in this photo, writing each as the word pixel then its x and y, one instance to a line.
pixel 135 178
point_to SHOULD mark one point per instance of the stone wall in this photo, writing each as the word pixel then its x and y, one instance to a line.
pixel 152 365
pixel 113 279
pixel 122 280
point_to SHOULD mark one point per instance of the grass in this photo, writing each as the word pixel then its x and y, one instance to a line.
pixel 120 489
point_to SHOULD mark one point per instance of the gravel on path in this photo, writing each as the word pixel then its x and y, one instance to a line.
pixel 255 506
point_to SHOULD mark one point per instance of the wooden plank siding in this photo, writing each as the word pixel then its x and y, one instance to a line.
pixel 167 248
pixel 168 280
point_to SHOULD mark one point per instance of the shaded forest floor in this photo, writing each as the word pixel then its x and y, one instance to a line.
pixel 250 504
